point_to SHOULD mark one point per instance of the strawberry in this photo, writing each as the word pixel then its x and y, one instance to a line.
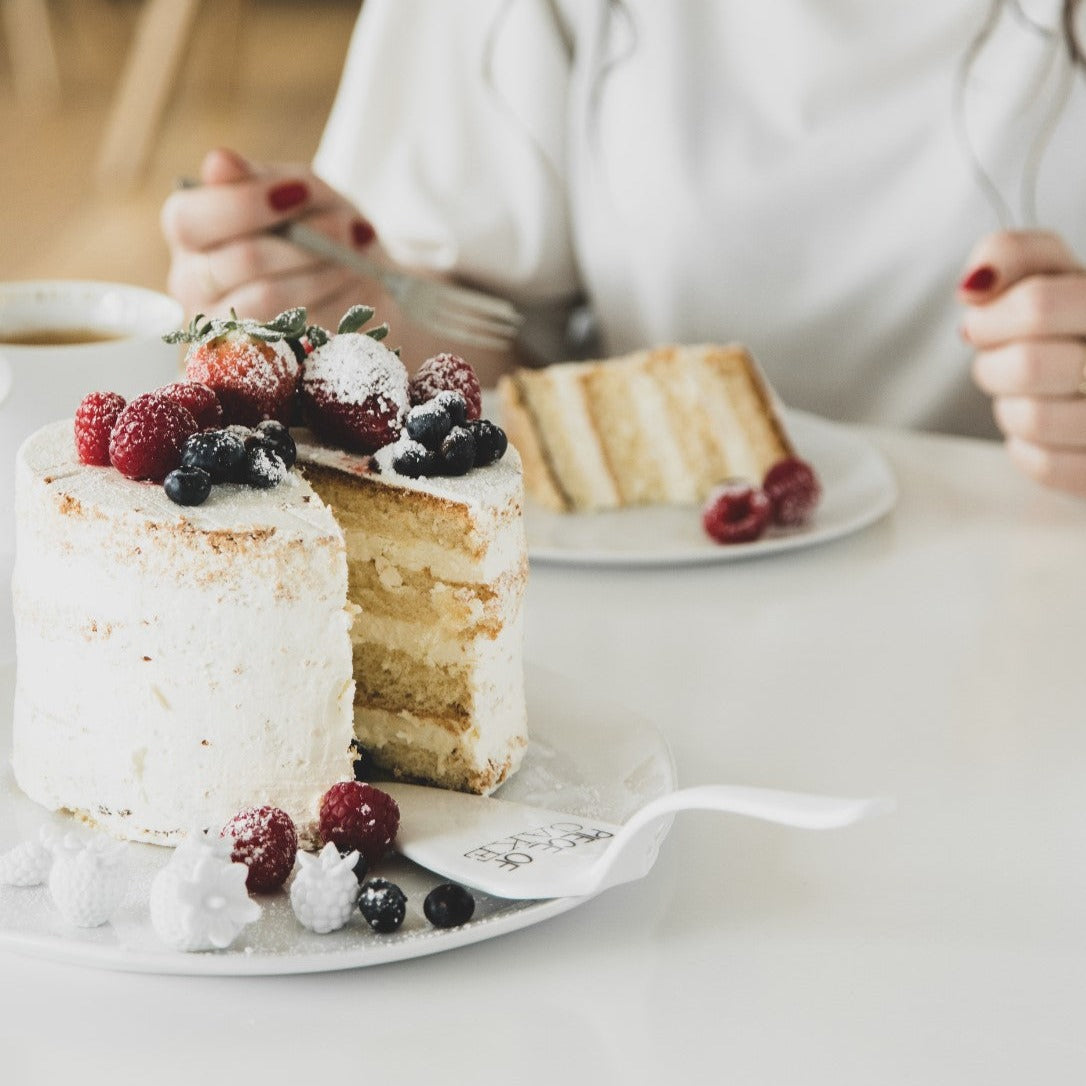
pixel 148 436
pixel 95 418
pixel 355 816
pixel 266 841
pixel 200 400
pixel 354 392
pixel 252 368
pixel 447 372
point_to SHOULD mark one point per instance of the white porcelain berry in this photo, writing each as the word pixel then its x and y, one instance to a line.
pixel 198 900
pixel 87 879
pixel 27 864
pixel 325 889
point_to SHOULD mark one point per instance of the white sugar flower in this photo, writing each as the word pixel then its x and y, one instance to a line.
pixel 325 890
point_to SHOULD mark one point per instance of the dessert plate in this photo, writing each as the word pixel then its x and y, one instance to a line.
pixel 858 488
pixel 587 757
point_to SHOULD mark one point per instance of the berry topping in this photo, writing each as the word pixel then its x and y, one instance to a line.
pixel 415 460
pixel 454 404
pixel 448 905
pixel 200 400
pixel 457 452
pixel 793 490
pixel 148 437
pixel 429 423
pixel 266 841
pixel 490 441
pixel 355 815
pixel 736 512
pixel 221 453
pixel 447 371
pixel 264 467
pixel 187 486
pixel 383 904
pixel 95 418
pixel 278 437
pixel 354 393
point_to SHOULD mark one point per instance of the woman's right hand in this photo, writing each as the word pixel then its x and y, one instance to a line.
pixel 225 256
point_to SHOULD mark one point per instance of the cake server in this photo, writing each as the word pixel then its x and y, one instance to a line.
pixel 516 851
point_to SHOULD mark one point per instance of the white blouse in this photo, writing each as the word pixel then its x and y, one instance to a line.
pixel 804 176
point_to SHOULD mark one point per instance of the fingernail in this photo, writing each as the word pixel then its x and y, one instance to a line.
pixel 362 232
pixel 982 278
pixel 287 195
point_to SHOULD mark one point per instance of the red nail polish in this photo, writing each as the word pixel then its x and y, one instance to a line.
pixel 287 195
pixel 983 278
pixel 362 232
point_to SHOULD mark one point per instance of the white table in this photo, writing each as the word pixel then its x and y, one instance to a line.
pixel 937 657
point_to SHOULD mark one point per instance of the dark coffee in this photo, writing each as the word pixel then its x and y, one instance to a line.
pixel 58 337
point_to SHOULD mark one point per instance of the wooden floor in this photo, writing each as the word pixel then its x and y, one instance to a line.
pixel 258 75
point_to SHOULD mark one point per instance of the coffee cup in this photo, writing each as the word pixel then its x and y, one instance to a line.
pixel 59 340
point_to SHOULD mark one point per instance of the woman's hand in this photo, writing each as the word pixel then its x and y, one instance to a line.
pixel 1025 298
pixel 224 254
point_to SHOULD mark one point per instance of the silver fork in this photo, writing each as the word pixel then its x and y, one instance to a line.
pixel 466 315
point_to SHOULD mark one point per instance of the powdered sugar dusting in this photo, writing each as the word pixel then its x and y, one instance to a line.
pixel 352 368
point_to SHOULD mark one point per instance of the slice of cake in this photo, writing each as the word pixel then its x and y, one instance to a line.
pixel 655 427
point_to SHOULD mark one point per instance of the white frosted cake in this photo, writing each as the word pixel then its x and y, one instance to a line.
pixel 177 664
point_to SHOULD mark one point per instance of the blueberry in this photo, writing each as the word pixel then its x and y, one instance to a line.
pixel 490 441
pixel 429 423
pixel 457 452
pixel 220 453
pixel 448 905
pixel 278 436
pixel 454 404
pixel 187 486
pixel 383 904
pixel 414 460
pixel 361 869
pixel 264 467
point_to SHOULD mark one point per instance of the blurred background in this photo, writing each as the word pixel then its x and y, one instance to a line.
pixel 104 104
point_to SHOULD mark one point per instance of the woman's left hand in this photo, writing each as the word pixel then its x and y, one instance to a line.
pixel 1025 299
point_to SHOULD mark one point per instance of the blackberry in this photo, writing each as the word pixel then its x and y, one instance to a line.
pixel 490 441
pixel 429 423
pixel 220 453
pixel 187 486
pixel 448 905
pixel 264 467
pixel 414 460
pixel 383 904
pixel 278 436
pixel 458 451
pixel 454 404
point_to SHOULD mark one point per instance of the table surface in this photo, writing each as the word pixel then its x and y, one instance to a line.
pixel 936 657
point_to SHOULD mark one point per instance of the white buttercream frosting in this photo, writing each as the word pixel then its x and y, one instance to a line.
pixel 175 665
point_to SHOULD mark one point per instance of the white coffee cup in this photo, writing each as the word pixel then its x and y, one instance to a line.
pixel 42 382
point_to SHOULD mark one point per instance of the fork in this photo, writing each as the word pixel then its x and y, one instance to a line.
pixel 461 313
pixel 466 315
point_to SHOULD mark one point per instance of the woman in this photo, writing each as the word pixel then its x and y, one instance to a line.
pixel 808 178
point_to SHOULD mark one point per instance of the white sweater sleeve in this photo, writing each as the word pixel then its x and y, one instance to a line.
pixel 449 132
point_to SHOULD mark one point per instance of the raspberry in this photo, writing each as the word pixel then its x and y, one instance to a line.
pixel 354 393
pixel 266 841
pixel 357 816
pixel 793 490
pixel 95 418
pixel 148 436
pixel 736 512
pixel 447 371
pixel 200 400
pixel 253 378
